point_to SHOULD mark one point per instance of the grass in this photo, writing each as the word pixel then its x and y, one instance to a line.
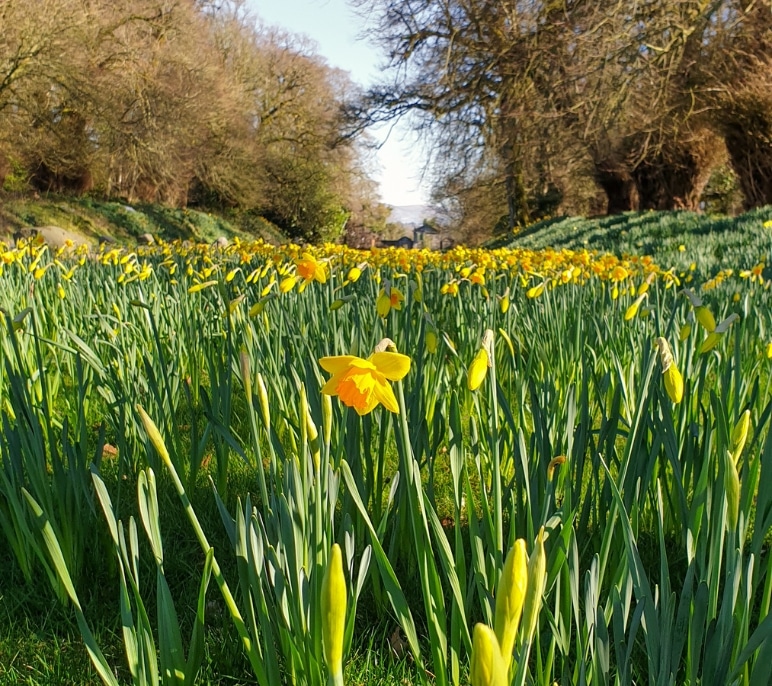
pixel 92 219
pixel 677 239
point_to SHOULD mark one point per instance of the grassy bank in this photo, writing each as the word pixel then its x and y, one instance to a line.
pixel 92 219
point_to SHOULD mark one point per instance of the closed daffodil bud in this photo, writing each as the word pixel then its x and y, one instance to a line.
pixel 488 667
pixel 353 274
pixel 537 576
pixel 633 309
pixel 313 437
pixel 246 377
pixel 768 351
pixel 535 291
pixel 431 341
pixel 154 435
pixel 710 342
pixel 334 614
pixel 510 596
pixel 684 333
pixel 327 417
pixel 706 318
pixel 740 435
pixel 732 488
pixel 262 396
pixel 288 284
pixel 477 370
pixel 674 382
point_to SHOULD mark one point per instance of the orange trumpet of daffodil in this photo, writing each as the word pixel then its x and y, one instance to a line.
pixel 363 384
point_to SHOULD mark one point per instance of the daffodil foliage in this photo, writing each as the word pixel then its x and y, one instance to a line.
pixel 543 466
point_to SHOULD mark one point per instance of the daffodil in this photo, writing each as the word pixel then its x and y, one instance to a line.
pixel 389 299
pixel 450 288
pixel 363 384
pixel 310 269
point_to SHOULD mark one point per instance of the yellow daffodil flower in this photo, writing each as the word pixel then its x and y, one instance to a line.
pixel 363 384
pixel 388 300
pixel 310 269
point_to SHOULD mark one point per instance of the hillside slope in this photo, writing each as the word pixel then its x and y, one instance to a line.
pixel 676 239
pixel 90 220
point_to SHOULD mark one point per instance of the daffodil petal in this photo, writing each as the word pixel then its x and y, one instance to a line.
pixel 394 366
pixel 384 394
pixel 337 363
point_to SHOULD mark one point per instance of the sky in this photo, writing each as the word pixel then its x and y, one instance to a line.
pixel 336 29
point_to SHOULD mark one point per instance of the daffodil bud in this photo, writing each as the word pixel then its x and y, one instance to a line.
pixel 684 333
pixel 510 596
pixel 431 341
pixel 768 350
pixel 487 667
pixel 327 417
pixel 313 436
pixel 288 284
pixel 504 302
pixel 154 435
pixel 674 384
pixel 740 435
pixel 353 274
pixel 246 375
pixel 334 613
pixel 732 488
pixel 710 342
pixel 633 309
pixel 262 396
pixel 383 304
pixel 537 576
pixel 535 291
pixel 705 317
pixel 477 370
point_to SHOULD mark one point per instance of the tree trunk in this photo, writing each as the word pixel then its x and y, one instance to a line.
pixel 750 153
pixel 619 186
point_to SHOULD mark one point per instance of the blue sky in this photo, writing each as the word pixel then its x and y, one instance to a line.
pixel 336 29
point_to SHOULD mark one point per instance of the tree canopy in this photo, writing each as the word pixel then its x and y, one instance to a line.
pixel 533 107
pixel 179 102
